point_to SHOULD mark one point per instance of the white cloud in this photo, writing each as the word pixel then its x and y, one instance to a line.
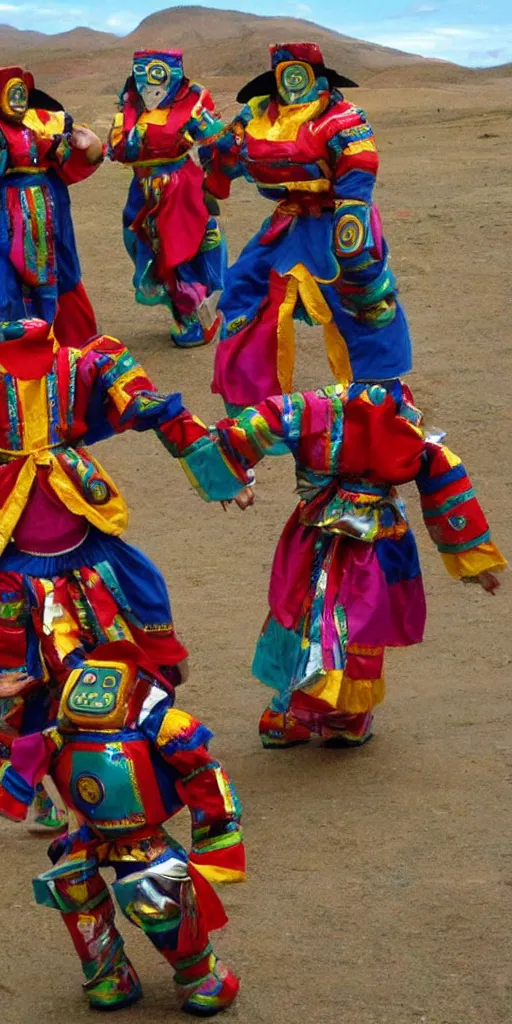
pixel 47 12
pixel 123 20
pixel 415 11
pixel 298 10
pixel 55 12
pixel 472 46
pixel 461 33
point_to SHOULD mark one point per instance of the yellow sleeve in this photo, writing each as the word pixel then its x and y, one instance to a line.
pixel 484 557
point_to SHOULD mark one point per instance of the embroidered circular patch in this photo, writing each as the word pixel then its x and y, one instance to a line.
pixel 349 235
pixel 457 522
pixel 99 492
pixel 377 394
pixel 90 790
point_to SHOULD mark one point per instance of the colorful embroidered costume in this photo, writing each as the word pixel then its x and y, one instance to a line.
pixel 61 515
pixel 125 760
pixel 39 158
pixel 321 257
pixel 346 579
pixel 22 713
pixel 174 242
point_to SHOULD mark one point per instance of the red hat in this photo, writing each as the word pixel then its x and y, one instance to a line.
pixel 6 74
pixel 307 53
pixel 177 54
pixel 36 98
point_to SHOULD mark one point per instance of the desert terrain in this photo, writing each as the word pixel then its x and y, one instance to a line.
pixel 379 881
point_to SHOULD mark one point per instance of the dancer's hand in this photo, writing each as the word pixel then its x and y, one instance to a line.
pixel 488 581
pixel 243 499
pixel 12 683
pixel 85 139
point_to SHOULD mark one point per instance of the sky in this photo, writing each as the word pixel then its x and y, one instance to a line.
pixel 476 33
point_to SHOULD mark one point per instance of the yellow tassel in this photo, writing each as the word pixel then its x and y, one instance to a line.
pixel 337 354
pixel 286 337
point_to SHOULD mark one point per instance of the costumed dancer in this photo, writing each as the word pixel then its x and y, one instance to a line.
pixel 61 515
pixel 125 761
pixel 346 579
pixel 321 256
pixel 42 151
pixel 171 236
pixel 24 708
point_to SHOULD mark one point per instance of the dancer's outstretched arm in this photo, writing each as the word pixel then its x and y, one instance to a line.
pixel 124 398
pixel 455 519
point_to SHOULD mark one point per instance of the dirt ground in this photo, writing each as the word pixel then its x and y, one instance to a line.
pixel 379 881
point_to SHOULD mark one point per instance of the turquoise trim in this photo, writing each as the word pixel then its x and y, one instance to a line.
pixel 15 441
pixel 455 549
pixel 278 658
pixel 53 408
pixel 233 411
pixel 212 476
pixel 337 430
pixel 449 504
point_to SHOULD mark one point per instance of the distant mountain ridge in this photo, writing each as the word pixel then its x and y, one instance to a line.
pixel 74 38
pixel 194 28
pixel 226 46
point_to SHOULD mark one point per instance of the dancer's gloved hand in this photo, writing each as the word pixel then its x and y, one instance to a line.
pixel 12 683
pixel 487 580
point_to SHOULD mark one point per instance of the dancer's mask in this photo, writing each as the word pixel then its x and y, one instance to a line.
pixel 158 75
pixel 298 75
pixel 15 89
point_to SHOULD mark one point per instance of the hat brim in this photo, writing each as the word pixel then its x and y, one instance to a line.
pixel 39 100
pixel 265 84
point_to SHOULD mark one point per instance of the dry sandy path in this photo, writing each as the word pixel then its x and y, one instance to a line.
pixel 379 881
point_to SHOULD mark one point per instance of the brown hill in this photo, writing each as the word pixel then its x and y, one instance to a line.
pixel 79 40
pixel 241 40
pixel 501 71
pixel 15 40
pixel 432 73
pixel 222 48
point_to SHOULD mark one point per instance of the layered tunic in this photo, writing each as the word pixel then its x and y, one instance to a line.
pixel 346 580
pixel 320 257
pixel 61 515
pixel 176 247
pixel 39 267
